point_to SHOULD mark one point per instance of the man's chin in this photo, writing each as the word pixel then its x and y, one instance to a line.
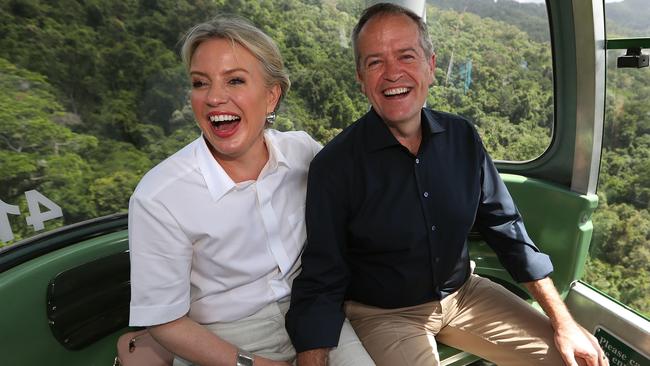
pixel 396 118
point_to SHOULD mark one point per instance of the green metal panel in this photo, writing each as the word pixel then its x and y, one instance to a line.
pixel 24 330
pixel 450 356
pixel 625 43
pixel 558 221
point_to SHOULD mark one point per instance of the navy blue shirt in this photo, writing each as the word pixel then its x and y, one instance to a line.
pixel 389 229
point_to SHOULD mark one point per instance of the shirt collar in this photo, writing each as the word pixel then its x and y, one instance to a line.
pixel 276 157
pixel 218 181
pixel 378 135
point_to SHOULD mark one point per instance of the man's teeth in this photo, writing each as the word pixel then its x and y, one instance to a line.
pixel 395 91
pixel 223 118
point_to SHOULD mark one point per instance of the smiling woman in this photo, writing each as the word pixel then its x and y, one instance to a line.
pixel 230 99
pixel 213 253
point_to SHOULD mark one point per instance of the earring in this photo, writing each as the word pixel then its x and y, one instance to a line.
pixel 270 118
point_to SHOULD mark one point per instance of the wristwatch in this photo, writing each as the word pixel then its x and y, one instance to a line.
pixel 244 358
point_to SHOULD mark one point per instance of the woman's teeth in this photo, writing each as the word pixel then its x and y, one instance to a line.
pixel 223 118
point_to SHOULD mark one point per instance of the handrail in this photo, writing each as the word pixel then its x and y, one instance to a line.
pixel 62 237
pixel 625 43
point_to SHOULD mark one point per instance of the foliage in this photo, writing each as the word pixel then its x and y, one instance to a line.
pixel 39 152
pixel 620 246
pixel 628 285
pixel 112 63
pixel 529 17
pixel 510 96
pixel 94 94
pixel 620 249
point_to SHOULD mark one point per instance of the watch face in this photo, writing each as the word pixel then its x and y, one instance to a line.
pixel 244 358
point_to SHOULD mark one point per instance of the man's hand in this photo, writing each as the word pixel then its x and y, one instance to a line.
pixel 259 361
pixel 313 357
pixel 576 346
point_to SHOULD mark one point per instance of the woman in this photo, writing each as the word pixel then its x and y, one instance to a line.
pixel 215 230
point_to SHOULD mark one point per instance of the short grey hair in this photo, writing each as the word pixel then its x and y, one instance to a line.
pixel 241 31
pixel 383 9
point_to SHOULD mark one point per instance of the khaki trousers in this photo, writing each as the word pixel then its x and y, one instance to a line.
pixel 263 334
pixel 482 318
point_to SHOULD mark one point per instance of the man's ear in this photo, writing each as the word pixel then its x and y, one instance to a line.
pixel 432 68
pixel 358 77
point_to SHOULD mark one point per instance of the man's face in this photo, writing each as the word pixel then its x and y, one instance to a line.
pixel 393 71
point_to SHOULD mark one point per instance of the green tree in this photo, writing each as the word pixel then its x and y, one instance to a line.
pixel 38 152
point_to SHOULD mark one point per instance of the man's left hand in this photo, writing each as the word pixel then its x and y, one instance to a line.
pixel 575 344
pixel 578 347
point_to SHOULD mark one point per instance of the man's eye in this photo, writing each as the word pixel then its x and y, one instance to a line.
pixel 373 63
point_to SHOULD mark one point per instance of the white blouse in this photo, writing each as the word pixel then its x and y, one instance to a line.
pixel 221 250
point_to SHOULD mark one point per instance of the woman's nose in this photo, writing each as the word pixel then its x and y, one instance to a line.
pixel 216 95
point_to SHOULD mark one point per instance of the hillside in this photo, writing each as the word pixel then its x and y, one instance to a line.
pixel 625 18
pixel 628 18
pixel 529 17
pixel 93 94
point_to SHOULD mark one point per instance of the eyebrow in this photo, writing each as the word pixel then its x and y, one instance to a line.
pixel 400 51
pixel 227 72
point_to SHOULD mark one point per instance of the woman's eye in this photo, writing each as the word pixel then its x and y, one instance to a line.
pixel 197 84
pixel 236 81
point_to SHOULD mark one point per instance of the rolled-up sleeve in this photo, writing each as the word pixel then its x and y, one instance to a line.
pixel 501 225
pixel 161 258
pixel 316 315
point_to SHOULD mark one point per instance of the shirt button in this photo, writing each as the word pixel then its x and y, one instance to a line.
pixel 437 259
pixel 433 227
pixel 426 194
pixel 417 161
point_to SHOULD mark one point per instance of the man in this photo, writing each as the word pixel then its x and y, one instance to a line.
pixel 390 202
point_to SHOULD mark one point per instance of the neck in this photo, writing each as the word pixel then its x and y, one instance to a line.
pixel 248 166
pixel 409 135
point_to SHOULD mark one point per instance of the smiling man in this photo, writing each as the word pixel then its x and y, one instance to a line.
pixel 390 202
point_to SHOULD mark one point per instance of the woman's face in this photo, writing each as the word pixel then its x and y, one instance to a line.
pixel 230 98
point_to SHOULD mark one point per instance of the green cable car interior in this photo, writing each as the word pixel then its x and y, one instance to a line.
pixel 65 288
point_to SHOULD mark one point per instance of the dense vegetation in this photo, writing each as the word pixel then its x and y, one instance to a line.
pixel 620 260
pixel 620 248
pixel 93 95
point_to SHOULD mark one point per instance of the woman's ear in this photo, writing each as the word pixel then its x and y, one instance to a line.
pixel 273 97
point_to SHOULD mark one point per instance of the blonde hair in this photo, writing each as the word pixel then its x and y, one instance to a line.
pixel 241 31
